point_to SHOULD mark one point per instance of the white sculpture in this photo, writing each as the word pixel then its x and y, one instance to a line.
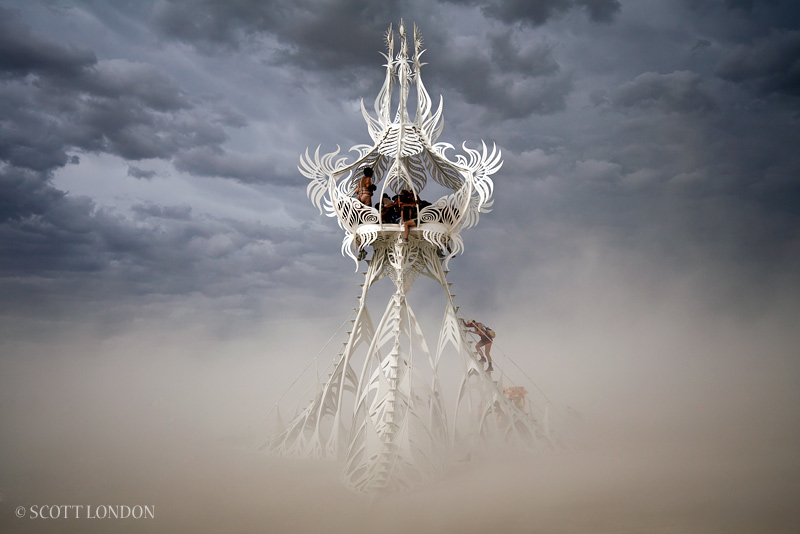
pixel 388 420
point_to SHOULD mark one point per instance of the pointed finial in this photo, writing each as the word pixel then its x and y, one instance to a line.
pixel 390 40
pixel 403 43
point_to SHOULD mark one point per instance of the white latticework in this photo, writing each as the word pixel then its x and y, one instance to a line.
pixel 382 409
pixel 404 155
pixel 394 435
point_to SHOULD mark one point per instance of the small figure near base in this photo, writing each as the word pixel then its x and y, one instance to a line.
pixel 516 395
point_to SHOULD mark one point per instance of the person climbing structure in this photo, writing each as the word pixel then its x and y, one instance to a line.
pixel 486 336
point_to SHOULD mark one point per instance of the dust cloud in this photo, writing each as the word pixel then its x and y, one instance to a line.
pixel 682 418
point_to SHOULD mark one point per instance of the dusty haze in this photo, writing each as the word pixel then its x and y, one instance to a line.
pixel 688 422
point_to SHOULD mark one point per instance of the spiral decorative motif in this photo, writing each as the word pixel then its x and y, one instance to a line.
pixel 430 214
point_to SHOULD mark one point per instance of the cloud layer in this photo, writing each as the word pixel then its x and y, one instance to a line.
pixel 666 127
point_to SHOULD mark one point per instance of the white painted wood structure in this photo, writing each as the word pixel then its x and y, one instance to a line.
pixel 382 410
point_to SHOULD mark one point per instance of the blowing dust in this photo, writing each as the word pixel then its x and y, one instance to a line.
pixel 680 421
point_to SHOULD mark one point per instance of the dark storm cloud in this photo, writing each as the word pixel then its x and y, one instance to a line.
pixel 56 100
pixel 22 52
pixel 126 79
pixel 536 60
pixel 539 12
pixel 771 65
pixel 328 35
pixel 146 211
pixel 516 79
pixel 226 23
pixel 680 92
pixel 216 162
pixel 741 22
pixel 141 174
pixel 57 246
pixel 25 193
pixel 58 234
pixel 764 14
pixel 600 10
pixel 512 80
pixel 46 118
pixel 700 44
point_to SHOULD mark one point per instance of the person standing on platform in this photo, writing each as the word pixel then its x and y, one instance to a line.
pixel 365 187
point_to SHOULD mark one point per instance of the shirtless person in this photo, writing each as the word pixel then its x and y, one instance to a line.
pixel 486 336
pixel 408 210
pixel 365 187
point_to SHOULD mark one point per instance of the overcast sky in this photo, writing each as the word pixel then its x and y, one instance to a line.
pixel 149 148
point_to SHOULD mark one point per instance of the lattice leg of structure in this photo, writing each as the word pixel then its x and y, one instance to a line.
pixel 492 419
pixel 321 429
pixel 397 436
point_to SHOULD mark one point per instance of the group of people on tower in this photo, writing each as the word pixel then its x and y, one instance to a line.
pixel 400 209
pixel 404 209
